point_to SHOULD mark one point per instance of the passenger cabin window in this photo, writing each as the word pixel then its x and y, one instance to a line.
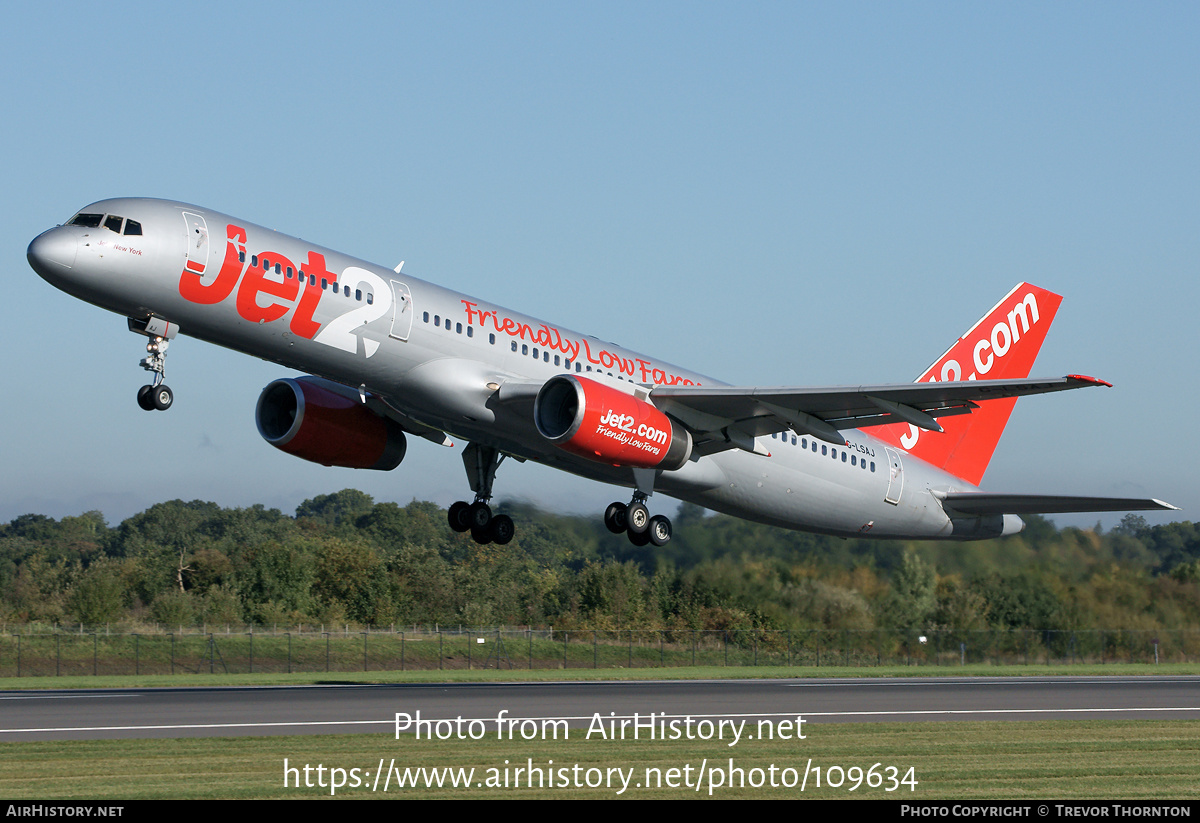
pixel 88 221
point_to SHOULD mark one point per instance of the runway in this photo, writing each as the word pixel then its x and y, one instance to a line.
pixel 371 709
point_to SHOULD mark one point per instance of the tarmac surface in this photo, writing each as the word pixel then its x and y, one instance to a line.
pixel 88 714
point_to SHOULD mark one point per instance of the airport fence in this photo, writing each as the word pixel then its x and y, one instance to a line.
pixel 81 652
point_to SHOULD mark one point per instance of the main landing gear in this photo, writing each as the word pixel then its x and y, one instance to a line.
pixel 635 520
pixel 481 463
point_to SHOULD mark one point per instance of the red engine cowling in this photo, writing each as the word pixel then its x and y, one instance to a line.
pixel 302 417
pixel 607 425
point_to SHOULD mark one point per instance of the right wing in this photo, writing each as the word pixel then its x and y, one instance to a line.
pixel 724 417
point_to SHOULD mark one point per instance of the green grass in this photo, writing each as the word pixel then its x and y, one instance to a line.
pixel 542 675
pixel 1109 759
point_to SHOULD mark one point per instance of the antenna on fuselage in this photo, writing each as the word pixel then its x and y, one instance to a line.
pixel 397 269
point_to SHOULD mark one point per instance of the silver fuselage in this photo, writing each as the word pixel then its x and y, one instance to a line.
pixel 438 357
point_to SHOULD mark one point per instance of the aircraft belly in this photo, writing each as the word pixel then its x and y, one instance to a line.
pixel 823 496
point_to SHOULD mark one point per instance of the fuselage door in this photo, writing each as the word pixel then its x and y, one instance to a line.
pixel 402 311
pixel 895 476
pixel 197 245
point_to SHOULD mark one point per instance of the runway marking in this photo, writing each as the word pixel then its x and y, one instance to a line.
pixel 1006 681
pixel 60 696
pixel 391 722
pixel 181 727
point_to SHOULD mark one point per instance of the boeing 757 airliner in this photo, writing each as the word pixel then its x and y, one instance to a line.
pixel 392 356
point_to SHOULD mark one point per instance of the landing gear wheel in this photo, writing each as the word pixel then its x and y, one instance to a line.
pixel 639 538
pixel 478 516
pixel 638 518
pixel 145 400
pixel 481 462
pixel 162 397
pixel 660 530
pixel 615 519
pixel 457 515
pixel 501 529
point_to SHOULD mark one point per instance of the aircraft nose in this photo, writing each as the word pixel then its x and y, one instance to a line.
pixel 52 251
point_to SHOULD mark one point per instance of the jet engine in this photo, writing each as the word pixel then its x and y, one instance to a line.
pixel 605 424
pixel 304 418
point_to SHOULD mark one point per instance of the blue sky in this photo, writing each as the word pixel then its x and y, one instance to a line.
pixel 800 194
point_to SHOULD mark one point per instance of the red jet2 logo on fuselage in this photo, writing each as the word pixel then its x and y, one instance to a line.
pixel 286 286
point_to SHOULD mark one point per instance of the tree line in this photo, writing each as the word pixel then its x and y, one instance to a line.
pixel 343 558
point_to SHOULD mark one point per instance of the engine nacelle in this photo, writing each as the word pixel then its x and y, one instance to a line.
pixel 304 418
pixel 607 425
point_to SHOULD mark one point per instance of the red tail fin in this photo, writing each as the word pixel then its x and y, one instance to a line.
pixel 1003 345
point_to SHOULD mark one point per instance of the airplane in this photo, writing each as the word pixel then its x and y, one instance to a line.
pixel 390 356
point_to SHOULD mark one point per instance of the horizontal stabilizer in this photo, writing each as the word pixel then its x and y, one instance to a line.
pixel 981 503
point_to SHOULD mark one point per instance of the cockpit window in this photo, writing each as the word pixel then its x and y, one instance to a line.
pixel 89 221
pixel 133 227
pixel 113 223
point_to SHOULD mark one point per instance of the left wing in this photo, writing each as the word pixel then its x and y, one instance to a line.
pixel 724 417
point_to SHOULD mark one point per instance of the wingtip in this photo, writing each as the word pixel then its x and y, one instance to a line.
pixel 1096 381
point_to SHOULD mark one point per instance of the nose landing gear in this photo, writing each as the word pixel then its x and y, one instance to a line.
pixel 156 396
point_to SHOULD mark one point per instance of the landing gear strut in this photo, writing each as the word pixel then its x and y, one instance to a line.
pixel 481 463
